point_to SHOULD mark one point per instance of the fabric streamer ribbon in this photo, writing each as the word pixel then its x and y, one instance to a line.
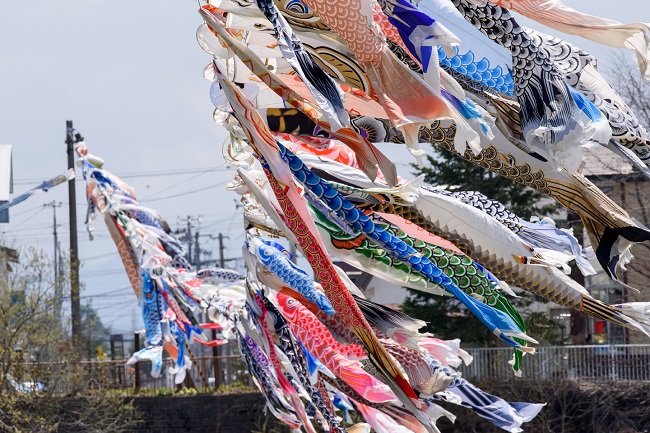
pixel 556 15
pixel 500 324
pixel 335 290
pixel 43 187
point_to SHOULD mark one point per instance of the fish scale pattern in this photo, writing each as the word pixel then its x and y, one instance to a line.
pixel 478 71
pixel 537 81
pixel 555 286
pixel 347 20
pixel 491 317
pixel 299 364
pixel 315 337
pixel 278 264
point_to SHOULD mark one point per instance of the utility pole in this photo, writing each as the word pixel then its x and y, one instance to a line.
pixel 197 250
pixel 72 137
pixel 188 235
pixel 222 260
pixel 57 261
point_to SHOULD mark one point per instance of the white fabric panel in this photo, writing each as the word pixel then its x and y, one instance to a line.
pixel 6 178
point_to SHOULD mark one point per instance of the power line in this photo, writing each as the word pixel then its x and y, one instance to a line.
pixel 158 173
pixel 37 227
pixel 174 172
pixel 26 211
pixel 215 223
pixel 94 274
pixel 101 256
pixel 111 294
pixel 118 305
pixel 187 192
pixel 25 220
pixel 176 185
pixel 40 226
pixel 37 236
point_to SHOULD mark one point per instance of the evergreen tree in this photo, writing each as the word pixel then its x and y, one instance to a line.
pixel 452 173
pixel 94 331
pixel 446 317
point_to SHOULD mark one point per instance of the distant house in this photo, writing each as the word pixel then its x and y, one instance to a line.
pixel 630 189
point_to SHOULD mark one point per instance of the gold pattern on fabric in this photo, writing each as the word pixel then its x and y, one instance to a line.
pixel 346 18
pixel 489 158
pixel 550 285
pixel 580 196
pixel 340 67
pixel 368 154
pixel 508 115
pixel 299 16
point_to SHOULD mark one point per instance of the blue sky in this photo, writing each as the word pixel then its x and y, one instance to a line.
pixel 129 74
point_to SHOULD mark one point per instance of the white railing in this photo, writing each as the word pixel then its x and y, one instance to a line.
pixel 593 363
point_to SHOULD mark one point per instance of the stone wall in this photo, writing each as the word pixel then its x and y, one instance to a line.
pixel 236 413
pixel 571 407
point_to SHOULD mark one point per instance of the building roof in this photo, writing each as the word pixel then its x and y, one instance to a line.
pixel 600 161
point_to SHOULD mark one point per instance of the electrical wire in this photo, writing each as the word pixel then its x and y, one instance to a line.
pixel 102 273
pixel 101 256
pixel 115 306
pixel 158 173
pixel 112 294
pixel 25 220
pixel 153 195
pixel 174 172
pixel 26 211
pixel 222 183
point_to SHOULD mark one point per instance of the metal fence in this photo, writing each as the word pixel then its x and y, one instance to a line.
pixel 592 363
pixel 115 374
pixel 589 363
pixel 229 370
